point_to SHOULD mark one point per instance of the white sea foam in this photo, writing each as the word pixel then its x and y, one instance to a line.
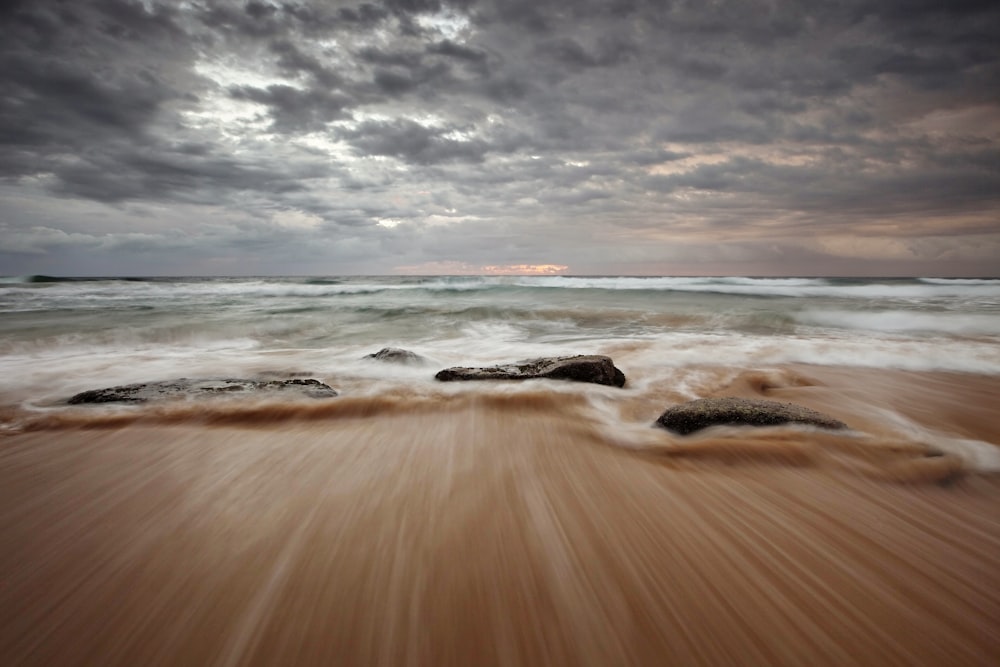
pixel 976 454
pixel 59 372
pixel 905 321
pixel 747 351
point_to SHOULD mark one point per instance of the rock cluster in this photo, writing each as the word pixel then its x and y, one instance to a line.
pixel 580 368
pixel 598 369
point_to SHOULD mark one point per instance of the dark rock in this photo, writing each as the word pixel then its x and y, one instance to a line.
pixel 581 368
pixel 396 355
pixel 695 415
pixel 185 387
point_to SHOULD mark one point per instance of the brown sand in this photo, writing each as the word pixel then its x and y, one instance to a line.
pixel 502 530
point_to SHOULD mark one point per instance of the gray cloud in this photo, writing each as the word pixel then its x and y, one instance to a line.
pixel 296 110
pixel 500 129
pixel 412 142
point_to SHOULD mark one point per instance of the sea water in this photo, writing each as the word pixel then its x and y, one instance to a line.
pixel 61 336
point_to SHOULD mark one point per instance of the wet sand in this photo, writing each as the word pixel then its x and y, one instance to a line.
pixel 506 530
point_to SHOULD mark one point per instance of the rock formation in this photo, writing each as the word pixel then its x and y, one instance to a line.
pixel 581 368
pixel 396 355
pixel 186 387
pixel 695 415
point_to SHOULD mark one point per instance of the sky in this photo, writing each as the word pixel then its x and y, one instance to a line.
pixel 592 137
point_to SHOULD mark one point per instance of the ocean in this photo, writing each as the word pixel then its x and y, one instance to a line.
pixel 413 521
pixel 61 336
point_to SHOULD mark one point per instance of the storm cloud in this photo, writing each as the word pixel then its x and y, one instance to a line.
pixel 298 136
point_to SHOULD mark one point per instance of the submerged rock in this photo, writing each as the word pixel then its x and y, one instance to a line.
pixel 695 415
pixel 185 387
pixel 396 355
pixel 581 368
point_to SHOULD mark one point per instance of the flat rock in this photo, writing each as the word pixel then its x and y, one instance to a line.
pixel 189 388
pixel 702 413
pixel 396 355
pixel 581 368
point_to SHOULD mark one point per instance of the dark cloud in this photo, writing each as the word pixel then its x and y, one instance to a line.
pixel 297 110
pixel 571 54
pixel 452 50
pixel 413 143
pixel 294 62
pixel 78 81
pixel 646 157
pixel 514 114
pixel 54 95
pixel 180 175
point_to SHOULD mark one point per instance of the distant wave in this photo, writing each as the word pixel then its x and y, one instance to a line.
pixel 325 287
pixel 112 288
pixel 42 279
pixel 667 283
pixel 900 288
pixel 961 281
pixel 34 279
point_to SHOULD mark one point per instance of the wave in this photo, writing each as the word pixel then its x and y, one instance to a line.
pixel 665 283
pixel 903 288
pixel 961 281
pixel 119 288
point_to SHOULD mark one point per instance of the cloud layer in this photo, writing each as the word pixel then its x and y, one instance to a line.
pixel 737 136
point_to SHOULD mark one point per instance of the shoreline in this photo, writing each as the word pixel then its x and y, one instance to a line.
pixel 944 410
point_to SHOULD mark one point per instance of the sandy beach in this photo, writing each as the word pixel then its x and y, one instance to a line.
pixel 503 528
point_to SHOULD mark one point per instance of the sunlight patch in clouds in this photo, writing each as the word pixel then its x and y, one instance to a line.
pixel 448 23
pixel 524 269
pixel 454 268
